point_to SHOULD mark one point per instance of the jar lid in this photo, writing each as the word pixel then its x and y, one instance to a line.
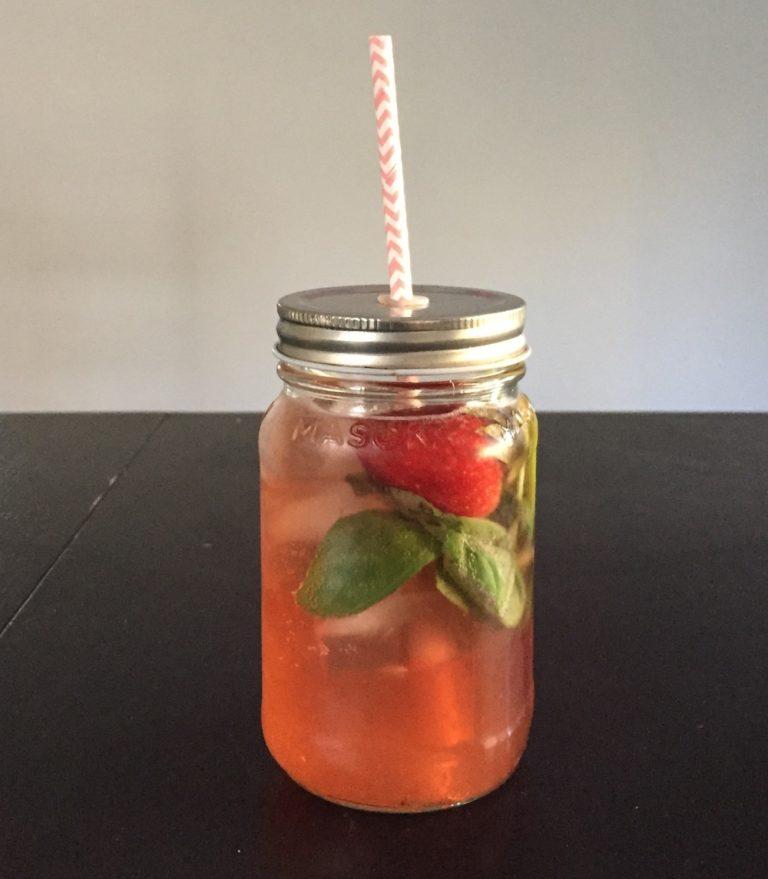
pixel 346 328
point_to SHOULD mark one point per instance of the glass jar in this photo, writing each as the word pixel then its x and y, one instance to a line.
pixel 397 502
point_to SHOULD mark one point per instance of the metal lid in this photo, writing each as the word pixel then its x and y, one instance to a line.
pixel 346 328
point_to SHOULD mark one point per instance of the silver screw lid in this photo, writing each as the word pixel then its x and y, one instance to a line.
pixel 346 328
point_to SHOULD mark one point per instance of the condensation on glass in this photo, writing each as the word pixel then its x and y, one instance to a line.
pixel 398 471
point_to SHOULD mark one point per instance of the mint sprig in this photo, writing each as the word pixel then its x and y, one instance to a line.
pixel 477 567
pixel 365 557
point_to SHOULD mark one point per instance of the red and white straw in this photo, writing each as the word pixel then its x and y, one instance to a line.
pixel 392 188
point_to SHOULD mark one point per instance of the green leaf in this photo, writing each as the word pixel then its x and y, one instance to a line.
pixel 414 507
pixel 362 559
pixel 483 571
pixel 478 571
pixel 483 531
pixel 446 587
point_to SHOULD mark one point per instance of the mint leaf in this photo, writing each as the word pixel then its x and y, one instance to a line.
pixel 482 530
pixel 478 570
pixel 445 586
pixel 484 572
pixel 414 507
pixel 440 524
pixel 362 559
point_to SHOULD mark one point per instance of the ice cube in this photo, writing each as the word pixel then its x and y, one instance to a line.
pixel 430 643
pixel 308 519
pixel 376 637
pixel 378 619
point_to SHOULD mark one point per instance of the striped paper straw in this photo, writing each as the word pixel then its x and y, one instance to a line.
pixel 392 188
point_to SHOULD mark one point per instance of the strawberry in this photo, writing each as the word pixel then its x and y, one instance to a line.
pixel 444 460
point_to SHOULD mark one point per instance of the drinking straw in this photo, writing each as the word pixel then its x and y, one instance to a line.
pixel 401 293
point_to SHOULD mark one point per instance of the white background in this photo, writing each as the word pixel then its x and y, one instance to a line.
pixel 168 169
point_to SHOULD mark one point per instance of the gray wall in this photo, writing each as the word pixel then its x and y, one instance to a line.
pixel 167 169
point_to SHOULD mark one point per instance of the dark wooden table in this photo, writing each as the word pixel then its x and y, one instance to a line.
pixel 129 663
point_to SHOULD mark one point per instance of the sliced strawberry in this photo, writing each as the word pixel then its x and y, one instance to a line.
pixel 444 460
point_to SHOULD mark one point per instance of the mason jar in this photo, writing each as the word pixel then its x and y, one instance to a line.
pixel 398 475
